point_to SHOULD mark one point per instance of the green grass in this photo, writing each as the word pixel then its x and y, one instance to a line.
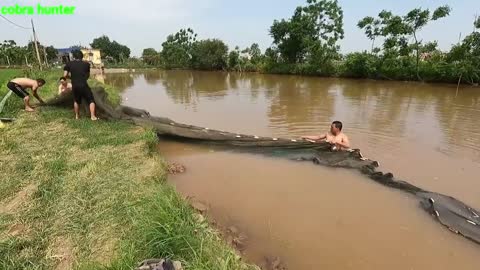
pixel 92 195
pixel 5 76
pixel 8 74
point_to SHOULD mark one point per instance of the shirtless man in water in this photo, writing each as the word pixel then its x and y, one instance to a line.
pixel 335 137
pixel 19 86
pixel 64 86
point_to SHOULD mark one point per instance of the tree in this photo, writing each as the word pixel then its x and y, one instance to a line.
pixel 32 56
pixel 314 27
pixel 119 52
pixel 290 37
pixel 397 30
pixel 11 53
pixel 466 57
pixel 176 50
pixel 372 28
pixel 416 19
pixel 327 19
pixel 51 53
pixel 255 54
pixel 209 54
pixel 104 44
pixel 234 59
pixel 476 23
pixel 151 56
pixel 15 55
pixel 111 49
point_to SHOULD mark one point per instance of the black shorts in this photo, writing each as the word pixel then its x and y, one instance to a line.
pixel 84 92
pixel 17 89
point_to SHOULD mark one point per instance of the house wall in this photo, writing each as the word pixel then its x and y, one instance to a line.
pixel 92 56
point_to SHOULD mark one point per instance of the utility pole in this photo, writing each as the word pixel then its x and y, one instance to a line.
pixel 36 45
pixel 26 61
pixel 8 61
pixel 45 54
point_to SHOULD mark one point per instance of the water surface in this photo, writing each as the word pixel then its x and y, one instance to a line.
pixel 315 217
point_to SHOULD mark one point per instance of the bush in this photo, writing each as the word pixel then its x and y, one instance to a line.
pixel 209 54
pixel 397 68
pixel 360 65
pixel 249 67
pixel 279 68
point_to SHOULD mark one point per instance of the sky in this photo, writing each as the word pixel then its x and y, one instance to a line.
pixel 142 24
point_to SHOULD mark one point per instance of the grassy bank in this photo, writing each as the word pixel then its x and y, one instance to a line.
pixel 92 195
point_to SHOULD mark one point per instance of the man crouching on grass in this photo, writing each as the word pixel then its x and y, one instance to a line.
pixel 19 86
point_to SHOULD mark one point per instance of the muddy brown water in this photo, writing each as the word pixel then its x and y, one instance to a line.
pixel 314 217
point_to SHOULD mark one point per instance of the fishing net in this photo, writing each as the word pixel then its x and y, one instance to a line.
pixel 452 213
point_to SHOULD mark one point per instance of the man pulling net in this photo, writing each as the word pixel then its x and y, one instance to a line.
pixel 335 137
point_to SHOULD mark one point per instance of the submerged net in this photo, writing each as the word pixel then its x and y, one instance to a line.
pixel 452 213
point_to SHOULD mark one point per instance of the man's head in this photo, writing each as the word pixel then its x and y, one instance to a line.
pixel 63 80
pixel 77 55
pixel 336 127
pixel 41 82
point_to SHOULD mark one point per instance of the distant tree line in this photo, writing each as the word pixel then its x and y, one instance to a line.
pixel 111 51
pixel 307 44
pixel 12 54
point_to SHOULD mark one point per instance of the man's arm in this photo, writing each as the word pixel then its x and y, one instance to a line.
pixel 35 93
pixel 59 89
pixel 315 138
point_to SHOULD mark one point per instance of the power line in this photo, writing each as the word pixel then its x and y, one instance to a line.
pixel 17 25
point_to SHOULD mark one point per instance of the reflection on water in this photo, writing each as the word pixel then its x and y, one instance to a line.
pixel 186 87
pixel 121 81
pixel 421 132
pixel 152 77
pixel 99 77
pixel 297 109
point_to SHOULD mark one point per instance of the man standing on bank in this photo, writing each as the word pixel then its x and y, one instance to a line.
pixel 79 72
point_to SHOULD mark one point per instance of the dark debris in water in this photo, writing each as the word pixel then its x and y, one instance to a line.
pixel 159 264
pixel 199 206
pixel 236 238
pixel 273 263
pixel 175 168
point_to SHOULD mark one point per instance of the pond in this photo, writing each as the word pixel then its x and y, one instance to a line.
pixel 313 217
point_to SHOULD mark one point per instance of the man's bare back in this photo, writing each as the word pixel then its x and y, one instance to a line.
pixel 26 83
